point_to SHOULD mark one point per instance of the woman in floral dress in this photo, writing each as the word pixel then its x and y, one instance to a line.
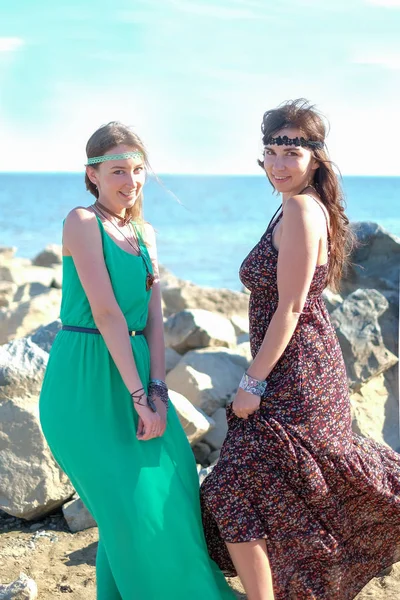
pixel 299 506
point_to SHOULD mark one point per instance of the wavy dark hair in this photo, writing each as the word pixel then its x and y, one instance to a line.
pixel 300 114
pixel 105 139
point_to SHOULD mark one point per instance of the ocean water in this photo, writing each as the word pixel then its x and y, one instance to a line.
pixel 205 225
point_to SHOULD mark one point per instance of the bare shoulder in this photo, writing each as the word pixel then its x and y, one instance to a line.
pixel 302 203
pixel 80 214
pixel 81 230
pixel 307 208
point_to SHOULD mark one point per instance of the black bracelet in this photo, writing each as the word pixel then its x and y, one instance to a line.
pixel 136 397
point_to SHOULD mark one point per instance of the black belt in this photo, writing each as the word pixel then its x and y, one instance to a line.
pixel 94 330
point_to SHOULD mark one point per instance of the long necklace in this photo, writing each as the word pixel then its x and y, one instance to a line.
pixel 149 276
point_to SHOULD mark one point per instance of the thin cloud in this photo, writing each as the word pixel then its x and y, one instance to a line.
pixel 387 61
pixel 9 44
pixel 213 11
pixel 385 3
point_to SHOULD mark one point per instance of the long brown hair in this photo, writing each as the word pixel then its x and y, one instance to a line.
pixel 304 116
pixel 105 139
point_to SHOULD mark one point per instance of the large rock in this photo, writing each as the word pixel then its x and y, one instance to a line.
pixel 194 421
pixel 23 588
pixel 240 324
pixel 331 299
pixel 31 483
pixel 215 438
pixel 389 322
pixel 7 253
pixel 171 359
pixel 21 271
pixel 12 294
pixel 50 256
pixel 77 515
pixel 27 291
pixel 7 293
pixel 22 319
pixel 208 377
pixel 375 263
pixel 197 328
pixel 375 410
pixel 360 337
pixel 384 587
pixel 179 294
pixel 45 335
pixel 204 472
pixel 201 452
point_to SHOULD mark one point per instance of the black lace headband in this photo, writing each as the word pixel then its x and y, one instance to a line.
pixel 297 141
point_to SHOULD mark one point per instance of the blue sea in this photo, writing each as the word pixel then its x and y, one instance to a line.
pixel 206 225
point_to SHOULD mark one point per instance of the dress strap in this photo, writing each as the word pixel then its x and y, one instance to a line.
pixel 326 220
pixel 271 223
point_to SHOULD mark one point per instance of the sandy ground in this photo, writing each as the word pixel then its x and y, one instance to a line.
pixel 63 563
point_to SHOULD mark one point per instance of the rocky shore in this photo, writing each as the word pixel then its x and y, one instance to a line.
pixel 46 532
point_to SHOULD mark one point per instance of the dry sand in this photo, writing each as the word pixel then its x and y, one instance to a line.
pixel 63 563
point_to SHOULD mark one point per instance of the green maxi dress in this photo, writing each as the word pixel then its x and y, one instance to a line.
pixel 144 496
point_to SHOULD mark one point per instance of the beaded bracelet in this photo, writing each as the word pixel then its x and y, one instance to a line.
pixel 159 388
pixel 252 385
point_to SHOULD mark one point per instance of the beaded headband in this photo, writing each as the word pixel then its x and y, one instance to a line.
pixel 297 141
pixel 99 159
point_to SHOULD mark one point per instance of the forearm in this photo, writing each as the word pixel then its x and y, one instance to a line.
pixel 276 339
pixel 114 330
pixel 154 333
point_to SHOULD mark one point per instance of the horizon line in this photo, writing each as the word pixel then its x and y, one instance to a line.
pixel 191 174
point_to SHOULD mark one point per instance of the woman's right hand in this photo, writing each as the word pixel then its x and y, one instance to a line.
pixel 150 423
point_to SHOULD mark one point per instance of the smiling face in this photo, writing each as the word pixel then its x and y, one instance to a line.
pixel 119 182
pixel 289 168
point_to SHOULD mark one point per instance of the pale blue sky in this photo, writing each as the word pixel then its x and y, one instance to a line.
pixel 194 78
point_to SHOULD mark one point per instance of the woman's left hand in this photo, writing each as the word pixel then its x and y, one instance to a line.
pixel 245 404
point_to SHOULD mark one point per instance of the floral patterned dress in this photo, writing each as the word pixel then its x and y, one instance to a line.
pixel 326 501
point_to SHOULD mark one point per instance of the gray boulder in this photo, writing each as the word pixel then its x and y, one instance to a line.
pixel 171 359
pixel 45 335
pixel 194 421
pixel 23 588
pixel 375 262
pixel 50 256
pixel 21 319
pixel 31 482
pixel 201 451
pixel 7 293
pixel 331 299
pixel 179 294
pixel 375 409
pixel 7 252
pixel 77 515
pixel 197 328
pixel 360 336
pixel 208 377
pixel 215 438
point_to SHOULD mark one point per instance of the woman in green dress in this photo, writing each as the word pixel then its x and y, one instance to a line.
pixel 104 404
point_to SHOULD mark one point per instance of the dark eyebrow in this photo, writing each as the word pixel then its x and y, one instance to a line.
pixel 288 149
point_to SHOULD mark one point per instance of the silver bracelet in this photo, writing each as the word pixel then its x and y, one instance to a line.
pixel 252 385
pixel 159 382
